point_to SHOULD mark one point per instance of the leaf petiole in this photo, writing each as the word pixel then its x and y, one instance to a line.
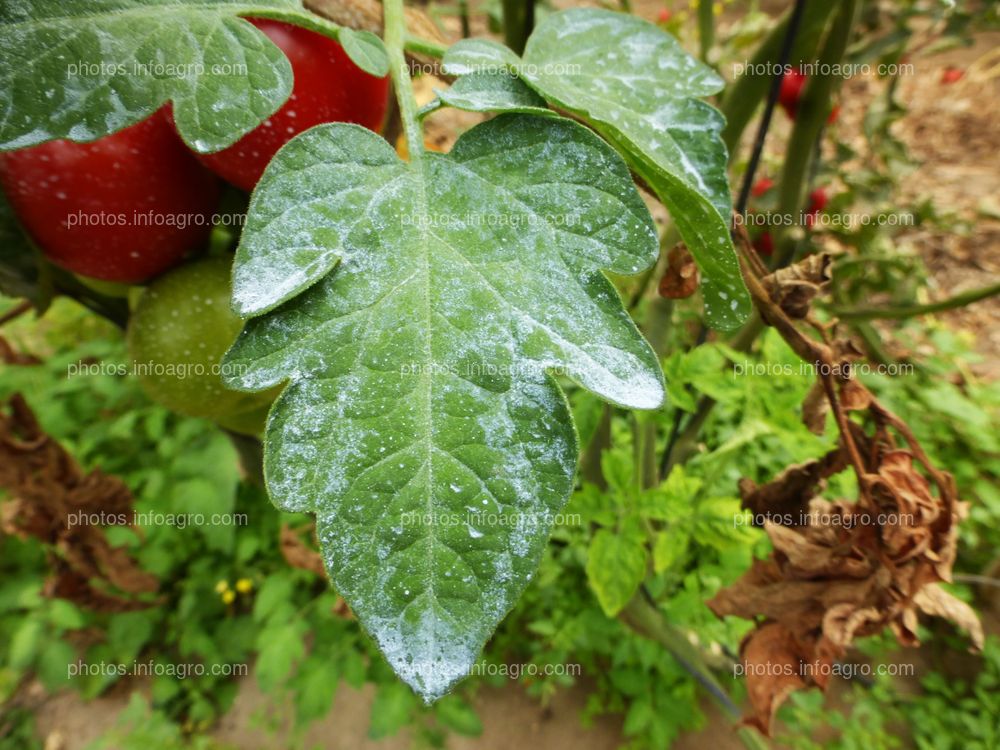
pixel 395 41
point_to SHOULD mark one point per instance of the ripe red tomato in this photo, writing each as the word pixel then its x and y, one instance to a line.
pixel 761 186
pixel 817 202
pixel 124 208
pixel 951 74
pixel 328 87
pixel 764 244
pixel 791 90
pixel 663 16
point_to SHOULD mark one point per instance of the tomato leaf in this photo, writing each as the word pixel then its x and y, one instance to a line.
pixel 84 70
pixel 492 92
pixel 640 90
pixel 616 565
pixel 418 313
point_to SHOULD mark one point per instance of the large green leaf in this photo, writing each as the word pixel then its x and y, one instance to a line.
pixel 81 70
pixel 640 90
pixel 418 314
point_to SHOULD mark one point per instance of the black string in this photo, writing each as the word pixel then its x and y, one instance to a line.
pixel 787 45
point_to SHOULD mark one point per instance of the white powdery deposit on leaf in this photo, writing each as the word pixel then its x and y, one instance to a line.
pixel 430 656
pixel 124 37
pixel 420 396
pixel 639 88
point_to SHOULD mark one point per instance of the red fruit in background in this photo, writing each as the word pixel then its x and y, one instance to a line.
pixel 328 87
pixel 761 186
pixel 834 114
pixel 817 202
pixel 764 244
pixel 663 16
pixel 123 208
pixel 951 74
pixel 791 90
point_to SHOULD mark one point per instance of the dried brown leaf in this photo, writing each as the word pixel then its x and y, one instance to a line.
pixel 794 287
pixel 935 601
pixel 680 279
pixel 50 491
pixel 772 662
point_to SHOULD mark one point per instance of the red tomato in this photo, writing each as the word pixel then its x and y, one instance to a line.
pixel 328 88
pixel 663 16
pixel 764 244
pixel 791 90
pixel 951 74
pixel 834 114
pixel 124 208
pixel 817 202
pixel 761 186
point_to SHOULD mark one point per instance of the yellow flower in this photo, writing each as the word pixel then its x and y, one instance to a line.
pixel 244 585
pixel 228 596
pixel 222 586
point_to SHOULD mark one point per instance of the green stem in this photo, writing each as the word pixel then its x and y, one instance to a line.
pixel 911 311
pixel 590 463
pixel 518 18
pixel 422 46
pixel 686 443
pixel 706 28
pixel 742 99
pixel 395 36
pixel 812 112
pixel 463 14
pixel 646 619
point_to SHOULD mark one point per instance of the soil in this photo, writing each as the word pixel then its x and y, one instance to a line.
pixel 950 130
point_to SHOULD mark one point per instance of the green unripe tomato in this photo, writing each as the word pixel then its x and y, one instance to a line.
pixel 177 333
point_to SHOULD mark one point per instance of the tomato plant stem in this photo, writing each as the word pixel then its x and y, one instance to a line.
pixel 424 46
pixel 812 113
pixel 910 311
pixel 518 18
pixel 742 99
pixel 395 36
pixel 643 617
pixel 706 28
pixel 772 99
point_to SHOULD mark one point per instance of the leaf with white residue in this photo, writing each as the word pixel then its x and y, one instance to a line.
pixel 640 90
pixel 418 312
pixel 83 70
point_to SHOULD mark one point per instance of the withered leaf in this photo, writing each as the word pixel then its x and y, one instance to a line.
pixel 680 279
pixel 51 493
pixel 794 287
pixel 935 601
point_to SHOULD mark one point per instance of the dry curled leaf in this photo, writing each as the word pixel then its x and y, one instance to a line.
pixel 794 287
pixel 785 499
pixel 774 645
pixel 53 500
pixel 845 569
pixel 935 601
pixel 815 407
pixel 299 554
pixel 10 356
pixel 680 279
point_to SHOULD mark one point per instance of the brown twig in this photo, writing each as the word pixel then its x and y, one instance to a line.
pixel 15 312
